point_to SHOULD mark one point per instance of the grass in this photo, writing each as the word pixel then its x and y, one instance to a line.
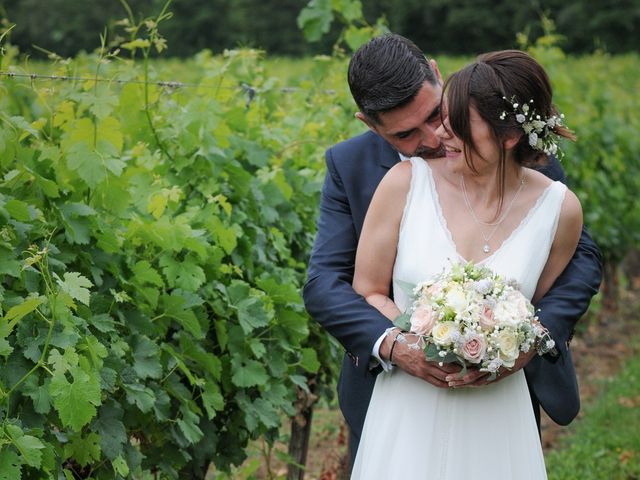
pixel 605 442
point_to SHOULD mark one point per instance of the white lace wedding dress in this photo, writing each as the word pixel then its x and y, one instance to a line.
pixel 414 430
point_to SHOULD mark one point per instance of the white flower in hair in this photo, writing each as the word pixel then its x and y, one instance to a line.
pixel 540 131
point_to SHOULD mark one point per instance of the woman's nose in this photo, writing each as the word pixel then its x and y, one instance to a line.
pixel 443 130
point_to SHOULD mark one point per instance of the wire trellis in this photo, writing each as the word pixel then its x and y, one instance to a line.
pixel 249 91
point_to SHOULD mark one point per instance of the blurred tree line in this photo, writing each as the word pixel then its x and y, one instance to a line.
pixel 438 26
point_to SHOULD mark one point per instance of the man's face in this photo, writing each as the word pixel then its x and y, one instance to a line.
pixel 410 129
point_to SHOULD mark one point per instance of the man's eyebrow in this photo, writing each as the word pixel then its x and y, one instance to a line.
pixel 434 113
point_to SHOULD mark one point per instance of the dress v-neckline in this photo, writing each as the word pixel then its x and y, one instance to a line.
pixel 443 221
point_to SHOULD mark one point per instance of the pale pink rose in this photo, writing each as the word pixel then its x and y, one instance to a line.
pixel 474 348
pixel 487 322
pixel 422 321
pixel 520 303
pixel 434 290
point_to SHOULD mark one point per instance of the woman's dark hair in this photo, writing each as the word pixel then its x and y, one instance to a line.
pixel 387 72
pixel 491 85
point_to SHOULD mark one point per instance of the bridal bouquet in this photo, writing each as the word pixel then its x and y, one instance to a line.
pixel 473 316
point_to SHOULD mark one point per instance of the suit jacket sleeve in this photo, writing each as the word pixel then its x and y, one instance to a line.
pixel 569 296
pixel 328 294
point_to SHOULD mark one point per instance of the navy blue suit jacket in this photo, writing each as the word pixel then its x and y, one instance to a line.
pixel 354 169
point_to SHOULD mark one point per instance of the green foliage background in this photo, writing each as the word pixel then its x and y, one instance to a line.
pixel 154 239
pixel 437 26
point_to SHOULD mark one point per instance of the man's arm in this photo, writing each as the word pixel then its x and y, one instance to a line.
pixel 569 297
pixel 567 300
pixel 328 294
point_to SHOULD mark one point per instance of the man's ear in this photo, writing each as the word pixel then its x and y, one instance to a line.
pixel 434 65
pixel 363 118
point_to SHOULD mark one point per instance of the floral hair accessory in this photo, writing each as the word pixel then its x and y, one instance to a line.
pixel 540 130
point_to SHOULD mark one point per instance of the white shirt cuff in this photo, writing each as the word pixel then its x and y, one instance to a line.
pixel 375 354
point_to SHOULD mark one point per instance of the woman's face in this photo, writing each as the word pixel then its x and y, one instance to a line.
pixel 483 158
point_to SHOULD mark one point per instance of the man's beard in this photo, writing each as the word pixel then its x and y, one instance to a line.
pixel 427 153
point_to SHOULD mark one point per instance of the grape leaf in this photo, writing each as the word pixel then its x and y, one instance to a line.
pixel 187 274
pixel 146 356
pixel 83 450
pixel 144 273
pixel 120 466
pixel 75 402
pixel 10 465
pixel 173 305
pixel 17 312
pixel 141 396
pixel 267 413
pixel 113 434
pixel 87 162
pixel 18 210
pixel 8 264
pixel 309 360
pixel 76 286
pixel 248 373
pixel 27 445
pixel 189 426
pixel 97 351
pixel 212 399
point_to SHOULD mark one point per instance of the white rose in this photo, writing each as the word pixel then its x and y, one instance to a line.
pixel 457 299
pixel 520 304
pixel 443 333
pixel 505 314
pixel 507 341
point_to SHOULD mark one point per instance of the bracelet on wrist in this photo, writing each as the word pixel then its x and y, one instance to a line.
pixel 398 338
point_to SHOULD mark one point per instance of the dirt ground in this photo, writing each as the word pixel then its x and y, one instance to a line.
pixel 602 341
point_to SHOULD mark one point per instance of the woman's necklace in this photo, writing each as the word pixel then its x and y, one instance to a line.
pixel 486 248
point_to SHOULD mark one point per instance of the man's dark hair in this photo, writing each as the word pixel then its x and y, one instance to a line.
pixel 387 72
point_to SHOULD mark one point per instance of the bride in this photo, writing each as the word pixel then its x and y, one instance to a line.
pixel 484 204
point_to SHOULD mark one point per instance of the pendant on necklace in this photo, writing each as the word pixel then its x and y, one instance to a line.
pixel 486 248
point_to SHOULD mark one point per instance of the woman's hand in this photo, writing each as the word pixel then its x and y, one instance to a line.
pixel 476 378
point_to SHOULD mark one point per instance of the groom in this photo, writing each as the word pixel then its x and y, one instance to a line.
pixel 398 94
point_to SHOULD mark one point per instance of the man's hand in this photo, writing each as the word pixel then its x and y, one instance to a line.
pixel 413 361
pixel 476 378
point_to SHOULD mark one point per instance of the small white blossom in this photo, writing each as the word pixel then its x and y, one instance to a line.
pixel 538 125
pixel 520 118
pixel 533 139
